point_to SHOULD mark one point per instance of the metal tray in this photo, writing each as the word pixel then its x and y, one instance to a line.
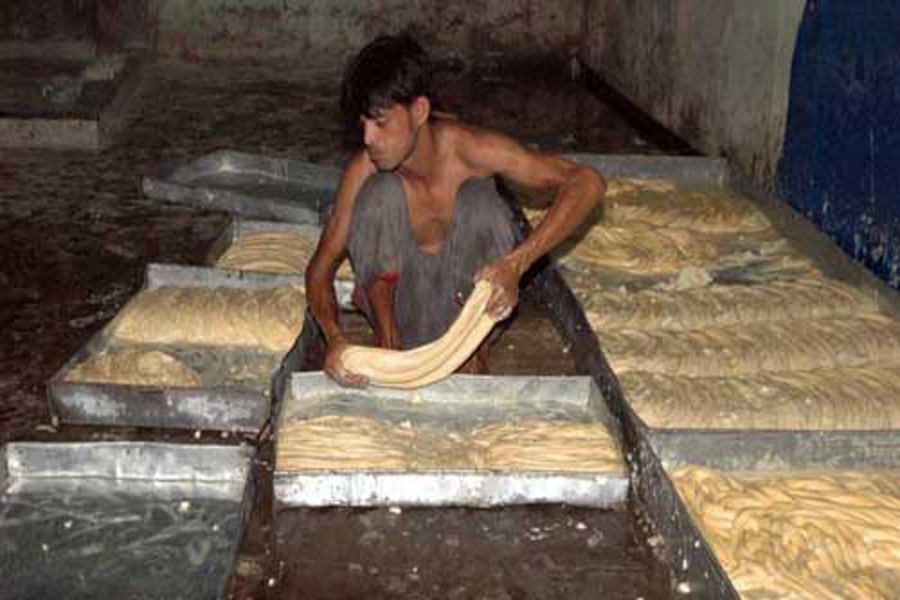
pixel 701 173
pixel 218 405
pixel 77 112
pixel 733 448
pixel 249 185
pixel 695 173
pixel 120 519
pixel 692 171
pixel 759 451
pixel 458 402
pixel 237 228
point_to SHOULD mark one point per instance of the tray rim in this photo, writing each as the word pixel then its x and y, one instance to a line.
pixel 156 274
pixel 286 482
pixel 170 185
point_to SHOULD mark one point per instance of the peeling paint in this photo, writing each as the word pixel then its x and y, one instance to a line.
pixel 842 147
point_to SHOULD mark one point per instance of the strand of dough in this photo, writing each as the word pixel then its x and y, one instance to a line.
pixel 431 362
pixel 351 443
pixel 800 535
pixel 760 346
pixel 615 188
pixel 564 446
pixel 135 367
pixel 714 211
pixel 270 319
pixel 773 254
pixel 364 443
pixel 834 398
pixel 640 248
pixel 276 252
pixel 722 304
pixel 708 212
pixel 342 443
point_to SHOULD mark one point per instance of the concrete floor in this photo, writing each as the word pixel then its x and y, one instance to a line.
pixel 76 233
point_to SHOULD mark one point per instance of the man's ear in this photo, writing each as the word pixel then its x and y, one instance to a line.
pixel 421 110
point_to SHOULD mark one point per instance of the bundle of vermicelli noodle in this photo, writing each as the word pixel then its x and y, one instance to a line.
pixel 431 362
pixel 830 534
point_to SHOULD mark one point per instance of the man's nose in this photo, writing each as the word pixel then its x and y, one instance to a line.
pixel 369 134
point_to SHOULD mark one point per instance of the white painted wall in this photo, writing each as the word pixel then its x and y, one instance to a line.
pixel 715 71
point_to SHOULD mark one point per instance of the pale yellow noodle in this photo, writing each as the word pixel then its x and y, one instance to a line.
pixel 269 319
pixel 800 535
pixel 135 367
pixel 833 398
pixel 275 251
pixel 431 362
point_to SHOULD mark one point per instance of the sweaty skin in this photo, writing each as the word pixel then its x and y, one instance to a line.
pixel 433 158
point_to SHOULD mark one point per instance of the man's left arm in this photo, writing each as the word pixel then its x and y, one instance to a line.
pixel 579 189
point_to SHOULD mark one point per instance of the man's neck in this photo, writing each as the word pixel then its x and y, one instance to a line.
pixel 421 164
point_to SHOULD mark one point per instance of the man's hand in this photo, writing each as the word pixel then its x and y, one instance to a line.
pixel 335 369
pixel 504 275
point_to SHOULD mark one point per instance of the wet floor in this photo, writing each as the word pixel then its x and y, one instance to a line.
pixel 510 553
pixel 76 234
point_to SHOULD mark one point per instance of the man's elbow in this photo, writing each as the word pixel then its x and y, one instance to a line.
pixel 314 275
pixel 594 182
pixel 309 273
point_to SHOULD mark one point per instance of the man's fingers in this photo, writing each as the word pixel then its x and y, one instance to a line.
pixel 356 380
pixel 500 305
pixel 501 312
pixel 347 379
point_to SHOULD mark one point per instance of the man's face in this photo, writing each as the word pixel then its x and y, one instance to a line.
pixel 390 136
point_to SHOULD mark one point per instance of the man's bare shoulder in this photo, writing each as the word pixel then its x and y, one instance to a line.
pixel 356 170
pixel 459 132
pixel 474 145
pixel 482 151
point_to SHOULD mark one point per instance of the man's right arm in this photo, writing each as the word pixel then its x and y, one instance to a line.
pixel 331 250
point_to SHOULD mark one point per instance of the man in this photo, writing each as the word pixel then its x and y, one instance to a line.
pixel 418 213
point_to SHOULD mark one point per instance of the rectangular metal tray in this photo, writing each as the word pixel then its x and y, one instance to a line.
pixel 217 405
pixel 767 447
pixel 238 228
pixel 700 173
pixel 457 402
pixel 90 119
pixel 121 519
pixel 249 185
pixel 758 451
pixel 693 171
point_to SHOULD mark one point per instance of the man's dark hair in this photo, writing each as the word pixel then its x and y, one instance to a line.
pixel 392 69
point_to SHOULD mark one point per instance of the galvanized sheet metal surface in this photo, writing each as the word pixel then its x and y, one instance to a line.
pixel 449 488
pixel 217 405
pixel 150 461
pixel 744 450
pixel 120 520
pixel 238 228
pixel 455 403
pixel 690 171
pixel 249 185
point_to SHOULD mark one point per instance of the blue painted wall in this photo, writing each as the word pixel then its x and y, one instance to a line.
pixel 841 160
